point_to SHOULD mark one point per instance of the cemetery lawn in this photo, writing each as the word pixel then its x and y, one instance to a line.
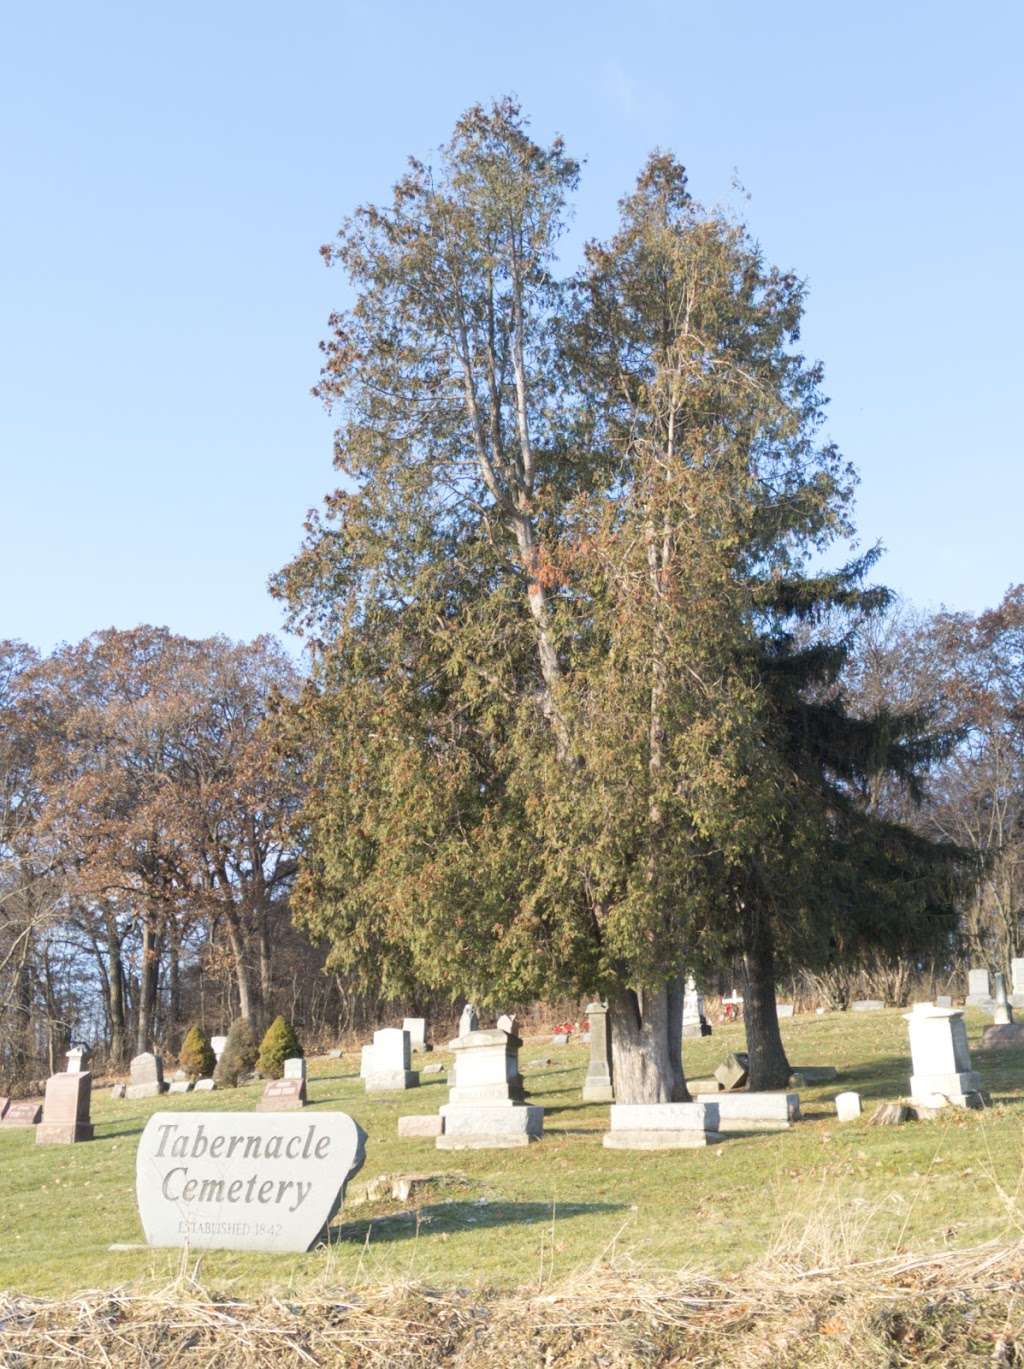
pixel 821 1193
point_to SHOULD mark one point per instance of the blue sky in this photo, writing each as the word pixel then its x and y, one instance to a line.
pixel 169 173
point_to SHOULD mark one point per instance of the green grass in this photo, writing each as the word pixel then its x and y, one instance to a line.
pixel 820 1191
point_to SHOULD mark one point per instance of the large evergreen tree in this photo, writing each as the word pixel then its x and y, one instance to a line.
pixel 550 753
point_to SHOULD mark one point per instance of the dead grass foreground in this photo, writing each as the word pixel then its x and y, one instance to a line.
pixel 958 1308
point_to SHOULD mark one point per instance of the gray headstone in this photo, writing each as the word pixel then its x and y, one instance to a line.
pixel 868 1005
pixel 469 1021
pixel 147 1071
pixel 243 1180
pixel 205 1086
pixel 732 1072
pixel 295 1067
pixel 597 1086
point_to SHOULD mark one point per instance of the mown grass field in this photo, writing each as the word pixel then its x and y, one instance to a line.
pixel 820 1193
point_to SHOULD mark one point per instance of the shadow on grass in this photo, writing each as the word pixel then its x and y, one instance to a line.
pixel 888 1077
pixel 446 1218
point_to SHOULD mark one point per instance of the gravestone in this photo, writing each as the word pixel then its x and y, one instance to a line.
pixel 469 1021
pixel 508 1022
pixel 335 1055
pixel 414 1125
pixel 417 1029
pixel 979 992
pixel 244 1181
pixel 695 1022
pixel 784 1010
pixel 754 1111
pixel 560 1038
pixel 1017 982
pixel 180 1086
pixel 941 1059
pixel 597 1086
pixel 283 1095
pixel 147 1072
pixel 205 1085
pixel 1002 1013
pixel 847 1106
pixel 295 1067
pixel 217 1044
pixel 117 1091
pixel 22 1114
pixel 76 1059
pixel 485 1108
pixel 663 1126
pixel 390 1058
pixel 732 1072
pixel 868 1005
pixel 66 1110
pixel 943 1000
pixel 365 1059
pixel 806 1076
pixel 1010 1034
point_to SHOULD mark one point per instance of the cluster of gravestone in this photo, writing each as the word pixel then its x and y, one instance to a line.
pixel 272 1180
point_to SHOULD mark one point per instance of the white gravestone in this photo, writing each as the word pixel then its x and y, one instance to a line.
pixel 783 1010
pixel 390 1058
pixel 1002 1013
pixel 242 1180
pixel 695 1022
pixel 469 1021
pixel 76 1056
pixel 295 1067
pixel 417 1029
pixel 1017 982
pixel 979 991
pixel 485 1107
pixel 217 1044
pixel 848 1106
pixel 662 1126
pixel 180 1086
pixel 205 1086
pixel 941 1059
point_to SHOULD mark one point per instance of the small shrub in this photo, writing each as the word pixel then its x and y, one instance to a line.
pixel 238 1057
pixel 278 1045
pixel 196 1056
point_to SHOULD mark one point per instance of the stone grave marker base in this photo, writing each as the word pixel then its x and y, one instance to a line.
pixel 63 1133
pixel 389 1081
pixel 489 1128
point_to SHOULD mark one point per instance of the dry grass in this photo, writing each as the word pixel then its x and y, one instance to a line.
pixel 961 1308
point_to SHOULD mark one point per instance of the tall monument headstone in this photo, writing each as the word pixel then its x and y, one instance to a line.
pixel 941 1059
pixel 597 1086
pixel 66 1109
pixel 389 1064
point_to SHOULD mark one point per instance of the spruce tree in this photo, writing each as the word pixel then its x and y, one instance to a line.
pixel 196 1056
pixel 278 1045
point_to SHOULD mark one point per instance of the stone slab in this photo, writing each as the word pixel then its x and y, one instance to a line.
pixel 416 1125
pixel 295 1067
pixel 867 1005
pixel 777 1108
pixel 22 1115
pixel 462 1120
pixel 1012 1034
pixel 732 1072
pixel 784 1010
pixel 809 1075
pixel 243 1180
pixel 660 1140
pixel 180 1086
pixel 708 1085
pixel 700 1116
pixel 391 1081
pixel 205 1085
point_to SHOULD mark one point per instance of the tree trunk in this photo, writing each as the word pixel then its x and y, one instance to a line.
pixel 149 983
pixel 768 1067
pixel 247 1005
pixel 115 993
pixel 647 1046
pixel 266 984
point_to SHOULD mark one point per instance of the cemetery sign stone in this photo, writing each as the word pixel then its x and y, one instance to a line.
pixel 242 1180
